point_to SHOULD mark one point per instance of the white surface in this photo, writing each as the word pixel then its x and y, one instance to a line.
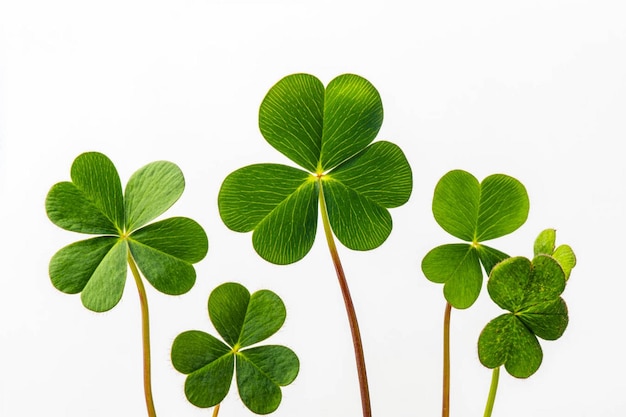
pixel 533 89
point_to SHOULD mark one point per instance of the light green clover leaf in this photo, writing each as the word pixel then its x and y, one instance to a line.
pixel 242 320
pixel 530 291
pixel 473 212
pixel 564 255
pixel 329 133
pixel 93 203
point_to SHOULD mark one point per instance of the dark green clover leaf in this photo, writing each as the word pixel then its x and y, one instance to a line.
pixel 328 132
pixel 473 212
pixel 530 291
pixel 564 255
pixel 93 203
pixel 242 320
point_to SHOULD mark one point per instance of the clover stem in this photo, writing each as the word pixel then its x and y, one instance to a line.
pixel 445 406
pixel 347 299
pixel 216 410
pixel 145 327
pixel 495 377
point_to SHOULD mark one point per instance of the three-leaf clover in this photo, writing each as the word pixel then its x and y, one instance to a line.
pixel 473 212
pixel 242 320
pixel 93 203
pixel 530 291
pixel 327 132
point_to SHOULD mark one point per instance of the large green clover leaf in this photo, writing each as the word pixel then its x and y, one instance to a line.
pixel 242 320
pixel 329 133
pixel 93 203
pixel 473 212
pixel 530 291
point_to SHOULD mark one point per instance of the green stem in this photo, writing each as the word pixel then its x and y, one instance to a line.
pixel 445 406
pixel 495 377
pixel 347 299
pixel 145 327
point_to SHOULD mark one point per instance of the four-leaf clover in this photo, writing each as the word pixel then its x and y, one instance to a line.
pixel 473 212
pixel 242 320
pixel 328 132
pixel 93 203
pixel 530 291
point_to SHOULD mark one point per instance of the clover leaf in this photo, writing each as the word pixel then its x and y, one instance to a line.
pixel 473 212
pixel 530 291
pixel 93 203
pixel 564 255
pixel 328 132
pixel 241 320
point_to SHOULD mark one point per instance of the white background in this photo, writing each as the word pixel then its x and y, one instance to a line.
pixel 533 89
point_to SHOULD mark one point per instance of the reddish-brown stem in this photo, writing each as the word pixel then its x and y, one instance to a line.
pixel 347 299
pixel 445 406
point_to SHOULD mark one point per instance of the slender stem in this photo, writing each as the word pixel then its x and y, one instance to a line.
pixel 445 406
pixel 495 377
pixel 347 299
pixel 145 327
pixel 216 410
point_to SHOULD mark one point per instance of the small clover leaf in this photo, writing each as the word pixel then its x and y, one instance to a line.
pixel 474 212
pixel 530 291
pixel 93 203
pixel 242 320
pixel 545 244
pixel 328 132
